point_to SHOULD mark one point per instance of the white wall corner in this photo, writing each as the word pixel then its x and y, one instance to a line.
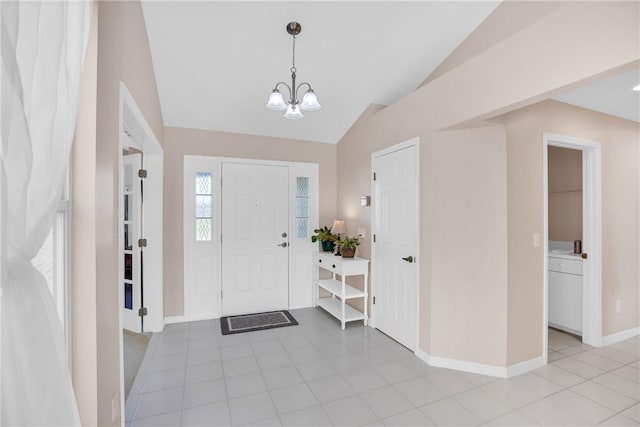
pixel 619 336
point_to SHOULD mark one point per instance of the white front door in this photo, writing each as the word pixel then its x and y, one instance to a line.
pixel 132 286
pixel 394 267
pixel 255 227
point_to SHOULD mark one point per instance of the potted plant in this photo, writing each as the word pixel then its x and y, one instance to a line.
pixel 326 237
pixel 348 246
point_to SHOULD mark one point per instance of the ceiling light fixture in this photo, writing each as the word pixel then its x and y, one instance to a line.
pixel 637 88
pixel 294 107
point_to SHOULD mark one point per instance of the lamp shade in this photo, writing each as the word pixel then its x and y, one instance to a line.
pixel 276 101
pixel 338 227
pixel 310 101
pixel 293 112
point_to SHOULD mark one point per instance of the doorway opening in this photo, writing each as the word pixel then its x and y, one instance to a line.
pixel 572 243
pixel 139 238
pixel 247 227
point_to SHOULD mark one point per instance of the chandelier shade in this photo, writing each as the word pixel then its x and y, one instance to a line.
pixel 293 107
pixel 310 101
pixel 276 101
pixel 293 112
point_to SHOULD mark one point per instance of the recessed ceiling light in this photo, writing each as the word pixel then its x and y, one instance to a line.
pixel 637 88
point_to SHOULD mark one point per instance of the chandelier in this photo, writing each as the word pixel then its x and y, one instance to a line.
pixel 293 107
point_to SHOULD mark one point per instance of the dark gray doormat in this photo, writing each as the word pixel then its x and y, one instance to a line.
pixel 256 322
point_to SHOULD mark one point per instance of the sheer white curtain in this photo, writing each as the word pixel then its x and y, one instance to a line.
pixel 43 49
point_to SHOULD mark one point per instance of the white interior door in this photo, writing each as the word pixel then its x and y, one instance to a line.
pixel 255 227
pixel 132 254
pixel 394 265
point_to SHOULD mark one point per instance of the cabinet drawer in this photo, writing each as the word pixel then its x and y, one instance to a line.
pixel 565 265
pixel 342 266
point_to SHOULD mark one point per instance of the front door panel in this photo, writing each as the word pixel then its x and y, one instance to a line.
pixel 255 255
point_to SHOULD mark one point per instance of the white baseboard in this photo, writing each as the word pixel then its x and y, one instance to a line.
pixel 480 368
pixel 526 366
pixel 174 319
pixel 620 336
pixel 462 365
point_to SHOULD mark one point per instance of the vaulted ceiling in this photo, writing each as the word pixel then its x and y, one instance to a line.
pixel 216 62
pixel 613 95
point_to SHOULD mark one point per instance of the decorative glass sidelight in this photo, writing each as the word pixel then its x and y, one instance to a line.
pixel 128 266
pixel 204 206
pixel 128 296
pixel 302 207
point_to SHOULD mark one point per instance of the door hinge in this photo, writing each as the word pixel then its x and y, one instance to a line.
pixel 142 173
pixel 374 176
pixel 142 243
pixel 221 293
pixel 142 311
pixel 221 238
pixel 374 238
pixel 374 301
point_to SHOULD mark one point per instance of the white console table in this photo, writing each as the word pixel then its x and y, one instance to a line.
pixel 339 291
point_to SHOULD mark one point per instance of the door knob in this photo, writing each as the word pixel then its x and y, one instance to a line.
pixel 284 234
pixel 283 244
pixel 409 259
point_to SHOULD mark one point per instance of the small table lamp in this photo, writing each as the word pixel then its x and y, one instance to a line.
pixel 337 229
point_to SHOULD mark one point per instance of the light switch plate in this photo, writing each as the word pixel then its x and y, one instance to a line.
pixel 536 240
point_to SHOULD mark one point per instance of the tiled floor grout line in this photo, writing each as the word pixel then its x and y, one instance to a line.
pixel 375 344
pixel 569 389
pixel 273 402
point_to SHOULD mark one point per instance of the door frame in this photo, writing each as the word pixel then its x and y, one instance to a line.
pixel 591 234
pixel 131 119
pixel 413 142
pixel 295 169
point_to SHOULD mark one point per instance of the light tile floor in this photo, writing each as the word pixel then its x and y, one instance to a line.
pixel 316 374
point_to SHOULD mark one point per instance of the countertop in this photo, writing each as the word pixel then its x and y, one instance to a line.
pixel 560 255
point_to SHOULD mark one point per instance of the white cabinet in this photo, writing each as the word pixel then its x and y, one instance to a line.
pixel 565 294
pixel 339 291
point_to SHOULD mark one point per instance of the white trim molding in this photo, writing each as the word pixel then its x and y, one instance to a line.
pixel 481 368
pixel 620 336
pixel 130 116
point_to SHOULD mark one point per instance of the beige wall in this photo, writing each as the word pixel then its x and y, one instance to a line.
pixel 179 142
pixel 620 215
pixel 494 77
pixel 565 194
pixel 83 190
pixel 122 55
pixel 468 228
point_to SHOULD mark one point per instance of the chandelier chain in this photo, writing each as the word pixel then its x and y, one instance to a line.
pixel 293 61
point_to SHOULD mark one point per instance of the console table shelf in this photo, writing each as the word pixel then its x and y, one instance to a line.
pixel 340 292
